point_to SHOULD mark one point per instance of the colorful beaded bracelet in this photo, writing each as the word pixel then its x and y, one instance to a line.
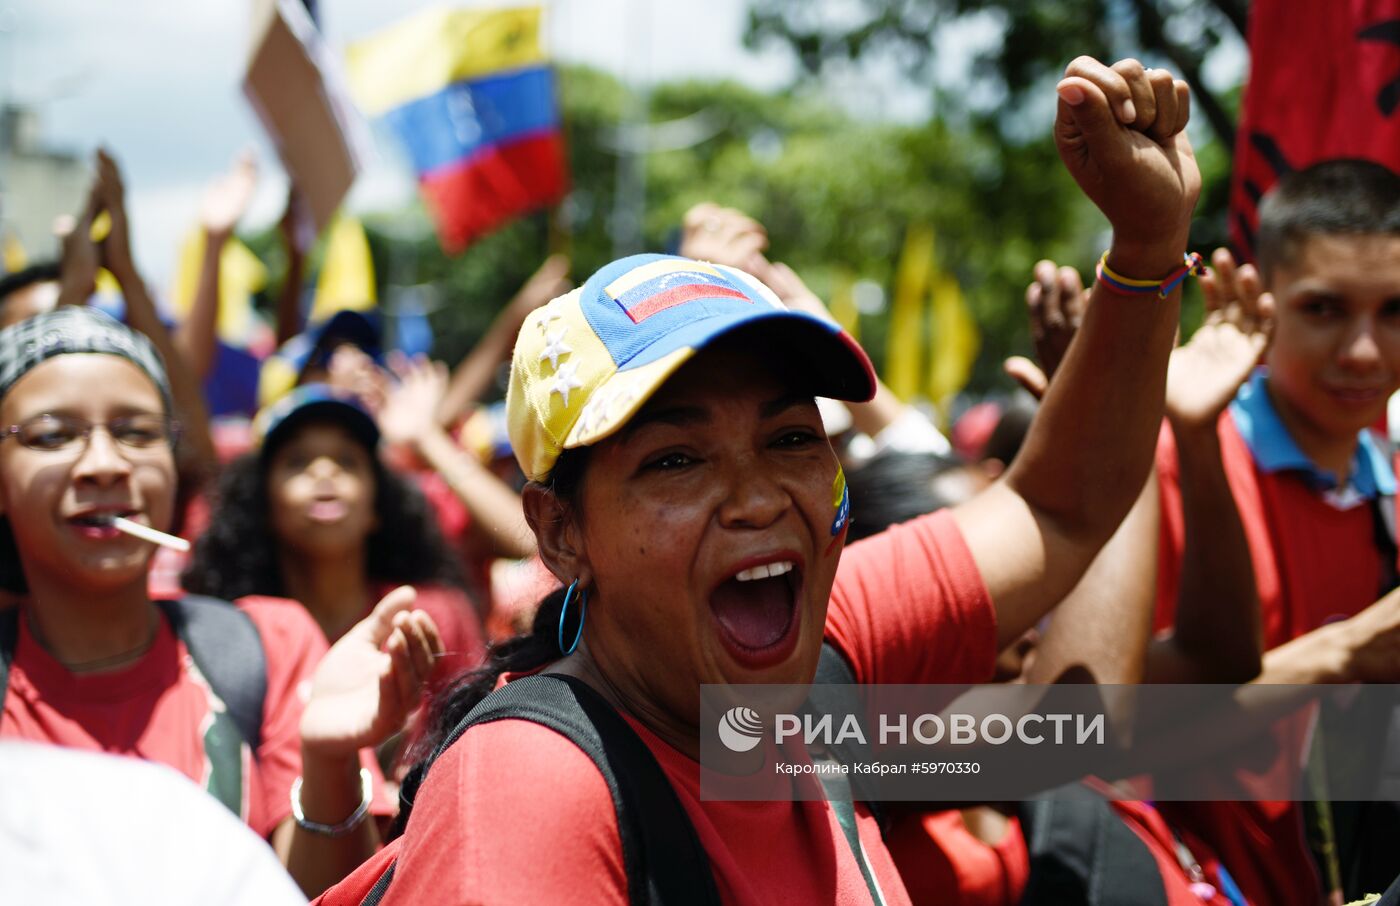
pixel 1191 264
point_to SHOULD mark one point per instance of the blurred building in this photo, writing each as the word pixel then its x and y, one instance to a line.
pixel 37 183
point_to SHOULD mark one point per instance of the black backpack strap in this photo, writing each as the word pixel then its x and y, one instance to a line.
pixel 9 635
pixel 834 692
pixel 1082 854
pixel 229 652
pixel 832 669
pixel 663 858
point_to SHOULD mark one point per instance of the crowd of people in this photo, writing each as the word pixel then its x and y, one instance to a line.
pixel 427 669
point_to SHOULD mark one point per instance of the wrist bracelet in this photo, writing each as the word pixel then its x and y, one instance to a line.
pixel 1191 264
pixel 333 830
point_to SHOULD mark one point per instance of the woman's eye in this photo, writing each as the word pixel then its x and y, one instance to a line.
pixel 796 439
pixel 670 461
pixel 50 436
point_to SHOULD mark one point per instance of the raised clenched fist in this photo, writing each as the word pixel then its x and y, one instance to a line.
pixel 1121 132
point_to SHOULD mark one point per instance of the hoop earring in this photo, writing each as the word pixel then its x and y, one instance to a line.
pixel 582 615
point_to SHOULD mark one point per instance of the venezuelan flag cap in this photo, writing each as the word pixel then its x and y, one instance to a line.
pixel 586 362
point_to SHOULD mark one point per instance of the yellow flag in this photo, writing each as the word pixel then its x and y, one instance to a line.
pixel 426 52
pixel 14 255
pixel 347 272
pixel 956 342
pixel 905 343
pixel 240 275
pixel 843 304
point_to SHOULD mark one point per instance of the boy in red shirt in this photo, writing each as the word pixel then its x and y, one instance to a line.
pixel 1307 474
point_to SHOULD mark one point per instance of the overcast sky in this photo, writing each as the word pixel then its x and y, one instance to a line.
pixel 159 81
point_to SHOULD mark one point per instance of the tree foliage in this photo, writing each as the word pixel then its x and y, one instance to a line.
pixel 1037 39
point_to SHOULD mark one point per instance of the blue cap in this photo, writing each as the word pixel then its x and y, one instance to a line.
pixel 313 402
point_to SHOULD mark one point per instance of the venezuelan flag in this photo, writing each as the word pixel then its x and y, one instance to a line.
pixel 470 94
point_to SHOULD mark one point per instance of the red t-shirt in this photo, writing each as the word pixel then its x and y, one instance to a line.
pixel 1313 564
pixel 161 709
pixel 943 864
pixel 515 813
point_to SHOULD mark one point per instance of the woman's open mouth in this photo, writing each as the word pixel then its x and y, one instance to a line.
pixel 328 510
pixel 757 614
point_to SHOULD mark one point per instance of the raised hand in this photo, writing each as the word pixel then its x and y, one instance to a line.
pixel 1055 302
pixel 115 248
pixel 1206 372
pixel 1121 133
pixel 372 679
pixel 724 236
pixel 227 197
pixel 410 411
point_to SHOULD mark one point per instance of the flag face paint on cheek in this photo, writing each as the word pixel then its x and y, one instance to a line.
pixel 841 502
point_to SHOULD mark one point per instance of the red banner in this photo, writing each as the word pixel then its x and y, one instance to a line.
pixel 1324 82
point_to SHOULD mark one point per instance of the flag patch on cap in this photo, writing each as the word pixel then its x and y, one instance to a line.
pixel 653 288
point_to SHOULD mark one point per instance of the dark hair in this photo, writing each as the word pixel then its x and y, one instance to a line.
pixel 43 272
pixel 237 555
pixel 11 566
pixel 894 487
pixel 1343 196
pixel 525 652
pixel 1012 428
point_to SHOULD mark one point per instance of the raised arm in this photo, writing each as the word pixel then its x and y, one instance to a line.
pixel 201 460
pixel 1217 637
pixel 297 243
pixel 225 201
pixel 363 691
pixel 1120 132
pixel 1099 632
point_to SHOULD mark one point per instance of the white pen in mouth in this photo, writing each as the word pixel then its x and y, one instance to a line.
pixel 146 533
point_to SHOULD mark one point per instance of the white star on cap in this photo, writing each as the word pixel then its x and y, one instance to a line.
pixel 554 347
pixel 564 381
pixel 548 315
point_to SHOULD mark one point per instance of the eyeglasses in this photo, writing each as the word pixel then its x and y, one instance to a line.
pixel 63 434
